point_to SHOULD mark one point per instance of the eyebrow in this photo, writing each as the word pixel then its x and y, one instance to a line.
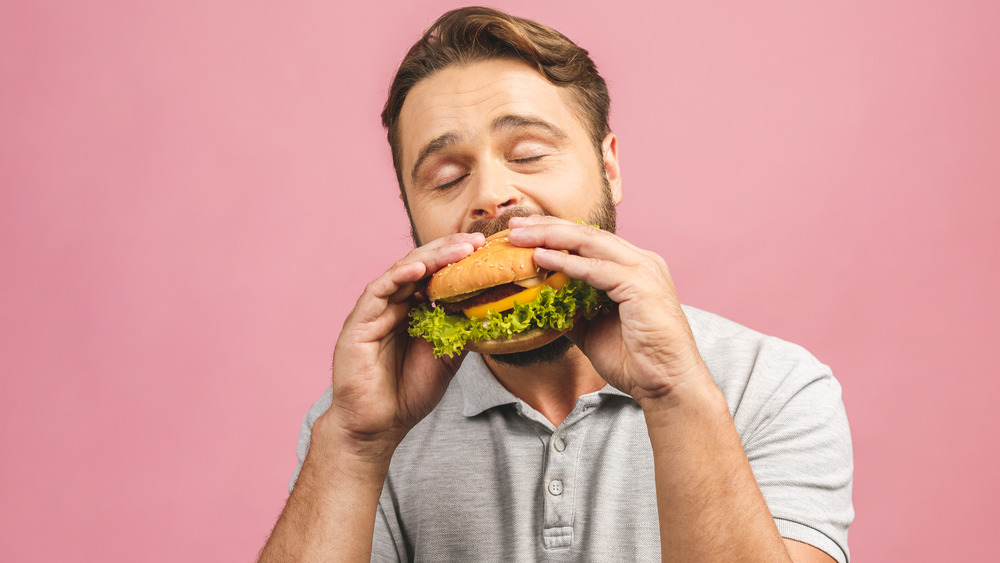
pixel 438 144
pixel 508 122
pixel 512 121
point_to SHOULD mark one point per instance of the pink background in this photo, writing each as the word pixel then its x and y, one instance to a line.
pixel 194 193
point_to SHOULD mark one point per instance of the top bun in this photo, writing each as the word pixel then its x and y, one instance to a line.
pixel 495 263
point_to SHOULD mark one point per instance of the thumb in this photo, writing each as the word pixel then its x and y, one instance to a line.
pixel 578 334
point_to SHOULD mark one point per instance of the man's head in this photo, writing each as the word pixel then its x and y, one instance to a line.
pixel 482 86
pixel 492 116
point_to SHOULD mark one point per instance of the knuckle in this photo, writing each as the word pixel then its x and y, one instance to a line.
pixel 370 289
pixel 453 239
pixel 652 268
pixel 590 231
pixel 660 263
pixel 655 261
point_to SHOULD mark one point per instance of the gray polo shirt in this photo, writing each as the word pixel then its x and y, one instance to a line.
pixel 485 477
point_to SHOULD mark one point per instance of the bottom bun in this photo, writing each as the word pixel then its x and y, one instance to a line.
pixel 528 340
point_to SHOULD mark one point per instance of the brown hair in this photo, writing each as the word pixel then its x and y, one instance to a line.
pixel 476 34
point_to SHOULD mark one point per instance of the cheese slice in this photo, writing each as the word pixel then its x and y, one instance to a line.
pixel 555 281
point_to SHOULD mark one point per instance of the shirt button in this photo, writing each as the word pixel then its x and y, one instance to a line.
pixel 555 487
pixel 559 444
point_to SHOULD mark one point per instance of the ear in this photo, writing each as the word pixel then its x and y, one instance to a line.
pixel 612 169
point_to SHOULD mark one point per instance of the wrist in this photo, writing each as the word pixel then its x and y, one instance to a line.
pixel 664 370
pixel 694 392
pixel 351 454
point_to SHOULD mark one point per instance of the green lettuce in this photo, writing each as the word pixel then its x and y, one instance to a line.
pixel 552 309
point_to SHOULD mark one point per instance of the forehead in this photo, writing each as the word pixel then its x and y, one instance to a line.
pixel 465 99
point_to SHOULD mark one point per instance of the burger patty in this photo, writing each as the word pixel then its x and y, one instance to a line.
pixel 490 295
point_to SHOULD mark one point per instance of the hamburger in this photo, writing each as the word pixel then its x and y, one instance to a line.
pixel 498 300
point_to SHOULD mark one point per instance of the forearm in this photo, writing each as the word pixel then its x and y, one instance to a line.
pixel 330 514
pixel 710 506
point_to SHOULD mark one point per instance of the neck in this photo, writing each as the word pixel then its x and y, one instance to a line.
pixel 550 388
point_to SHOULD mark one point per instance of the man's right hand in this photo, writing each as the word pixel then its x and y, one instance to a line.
pixel 384 382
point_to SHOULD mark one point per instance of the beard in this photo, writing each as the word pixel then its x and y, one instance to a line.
pixel 551 352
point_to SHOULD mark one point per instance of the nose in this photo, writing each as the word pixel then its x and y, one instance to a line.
pixel 494 193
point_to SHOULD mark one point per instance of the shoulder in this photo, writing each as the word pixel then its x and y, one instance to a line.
pixel 763 377
pixel 729 340
pixel 742 359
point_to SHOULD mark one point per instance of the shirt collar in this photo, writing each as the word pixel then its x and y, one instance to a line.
pixel 482 391
pixel 609 390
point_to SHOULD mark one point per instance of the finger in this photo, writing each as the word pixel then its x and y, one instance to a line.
pixel 408 279
pixel 578 334
pixel 516 222
pixel 606 275
pixel 375 298
pixel 433 256
pixel 426 350
pixel 584 240
pixel 393 319
pixel 401 281
pixel 445 250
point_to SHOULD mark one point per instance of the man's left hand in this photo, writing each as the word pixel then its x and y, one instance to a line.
pixel 646 347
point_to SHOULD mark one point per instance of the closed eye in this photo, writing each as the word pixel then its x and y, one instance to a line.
pixel 452 183
pixel 527 159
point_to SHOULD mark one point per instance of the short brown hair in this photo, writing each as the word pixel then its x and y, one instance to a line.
pixel 476 34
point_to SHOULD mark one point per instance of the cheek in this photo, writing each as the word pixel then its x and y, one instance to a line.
pixel 434 219
pixel 569 187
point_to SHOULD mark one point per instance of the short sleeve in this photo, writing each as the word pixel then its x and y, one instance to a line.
pixel 384 547
pixel 798 441
pixel 305 432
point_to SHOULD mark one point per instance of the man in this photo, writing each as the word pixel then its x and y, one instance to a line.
pixel 628 440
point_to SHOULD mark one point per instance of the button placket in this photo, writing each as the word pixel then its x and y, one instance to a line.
pixel 559 476
pixel 558 500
